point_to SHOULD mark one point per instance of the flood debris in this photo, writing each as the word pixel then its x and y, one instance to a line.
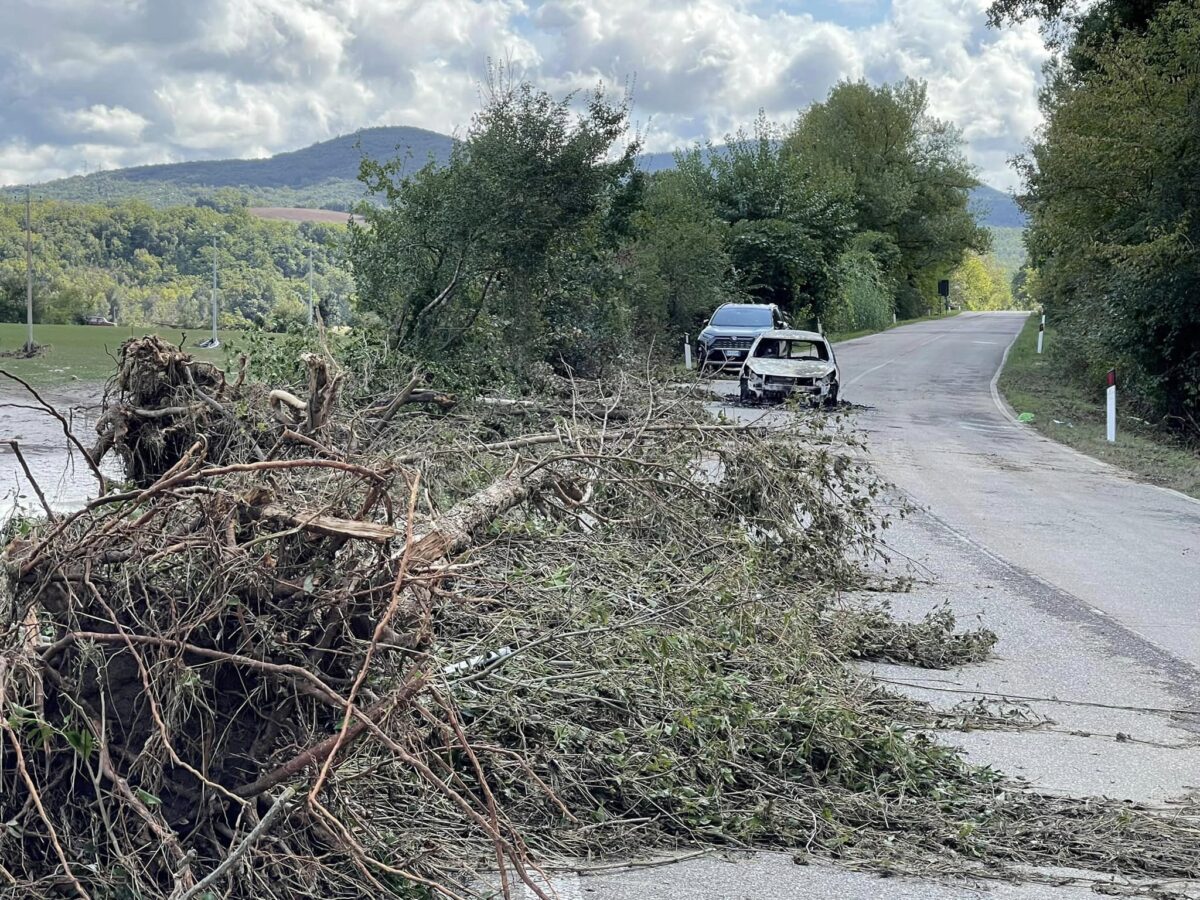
pixel 312 650
pixel 935 641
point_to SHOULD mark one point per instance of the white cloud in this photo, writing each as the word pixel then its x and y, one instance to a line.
pixel 115 123
pixel 131 81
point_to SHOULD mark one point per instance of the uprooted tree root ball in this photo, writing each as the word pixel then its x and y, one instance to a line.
pixel 282 666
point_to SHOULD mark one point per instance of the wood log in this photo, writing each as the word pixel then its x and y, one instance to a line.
pixel 330 525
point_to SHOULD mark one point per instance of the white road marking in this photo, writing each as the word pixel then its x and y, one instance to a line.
pixel 863 375
pixel 1000 404
pixel 993 343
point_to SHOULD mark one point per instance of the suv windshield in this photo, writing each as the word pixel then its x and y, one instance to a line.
pixel 743 317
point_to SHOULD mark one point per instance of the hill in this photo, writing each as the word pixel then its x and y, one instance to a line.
pixel 1008 248
pixel 325 176
pixel 996 209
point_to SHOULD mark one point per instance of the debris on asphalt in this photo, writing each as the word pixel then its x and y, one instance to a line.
pixel 312 649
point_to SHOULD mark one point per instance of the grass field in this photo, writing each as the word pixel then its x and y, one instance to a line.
pixel 83 353
pixel 1075 416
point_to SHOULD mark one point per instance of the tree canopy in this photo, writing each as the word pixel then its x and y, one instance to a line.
pixel 1115 204
pixel 475 250
pixel 139 265
pixel 907 174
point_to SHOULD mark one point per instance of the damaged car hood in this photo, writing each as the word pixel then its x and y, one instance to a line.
pixel 789 368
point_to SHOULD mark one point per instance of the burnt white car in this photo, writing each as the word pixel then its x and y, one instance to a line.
pixel 788 363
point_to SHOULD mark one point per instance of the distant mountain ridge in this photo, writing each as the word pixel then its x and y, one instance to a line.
pixel 335 159
pixel 325 175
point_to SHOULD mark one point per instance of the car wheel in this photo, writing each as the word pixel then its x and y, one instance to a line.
pixel 831 399
pixel 744 389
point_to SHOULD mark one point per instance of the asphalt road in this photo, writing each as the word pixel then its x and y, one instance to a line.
pixel 1127 550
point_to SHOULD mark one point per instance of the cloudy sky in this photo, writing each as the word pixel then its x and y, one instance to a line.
pixel 86 84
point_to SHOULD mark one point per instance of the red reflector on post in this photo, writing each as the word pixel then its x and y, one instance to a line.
pixel 1112 377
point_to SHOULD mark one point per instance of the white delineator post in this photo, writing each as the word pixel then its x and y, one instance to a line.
pixel 687 351
pixel 820 330
pixel 1041 332
pixel 1112 406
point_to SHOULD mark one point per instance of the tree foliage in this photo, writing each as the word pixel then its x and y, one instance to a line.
pixel 539 241
pixel 907 175
pixel 1115 204
pixel 787 226
pixel 470 252
pixel 979 283
pixel 678 263
pixel 139 265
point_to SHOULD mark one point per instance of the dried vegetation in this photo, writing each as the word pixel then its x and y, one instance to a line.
pixel 320 651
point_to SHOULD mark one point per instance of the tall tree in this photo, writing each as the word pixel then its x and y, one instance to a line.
pixel 678 262
pixel 1115 210
pixel 788 225
pixel 907 174
pixel 476 237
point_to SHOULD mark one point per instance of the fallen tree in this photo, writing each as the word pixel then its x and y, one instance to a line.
pixel 281 666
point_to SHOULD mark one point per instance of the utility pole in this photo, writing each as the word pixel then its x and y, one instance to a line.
pixel 213 342
pixel 30 345
pixel 311 315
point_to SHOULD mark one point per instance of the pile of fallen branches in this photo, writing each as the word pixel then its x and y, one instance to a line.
pixel 934 642
pixel 317 651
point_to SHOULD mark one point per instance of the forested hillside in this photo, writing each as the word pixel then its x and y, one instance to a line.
pixel 1008 249
pixel 325 176
pixel 139 265
pixel 1114 200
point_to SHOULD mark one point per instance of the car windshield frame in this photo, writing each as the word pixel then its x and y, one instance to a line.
pixel 743 317
pixel 821 348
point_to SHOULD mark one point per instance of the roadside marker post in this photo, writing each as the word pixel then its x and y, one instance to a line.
pixel 1112 406
pixel 893 318
pixel 1041 332
pixel 820 330
pixel 687 351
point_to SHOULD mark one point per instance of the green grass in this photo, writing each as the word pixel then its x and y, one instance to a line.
pixel 851 335
pixel 83 353
pixel 1075 414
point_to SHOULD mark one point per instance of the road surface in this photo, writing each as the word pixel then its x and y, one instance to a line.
pixel 1122 548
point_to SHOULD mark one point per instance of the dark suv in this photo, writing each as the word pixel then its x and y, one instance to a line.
pixel 727 336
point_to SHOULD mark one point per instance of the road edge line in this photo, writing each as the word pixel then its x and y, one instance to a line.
pixel 1009 413
pixel 1001 404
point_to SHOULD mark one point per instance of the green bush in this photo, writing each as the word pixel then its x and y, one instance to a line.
pixel 862 301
